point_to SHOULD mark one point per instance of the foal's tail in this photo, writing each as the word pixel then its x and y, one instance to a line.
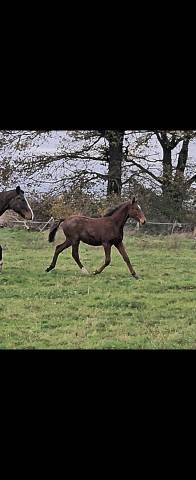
pixel 54 229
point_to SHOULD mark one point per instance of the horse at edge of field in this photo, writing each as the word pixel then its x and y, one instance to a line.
pixel 14 200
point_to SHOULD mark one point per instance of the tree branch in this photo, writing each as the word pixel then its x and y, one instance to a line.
pixel 191 180
pixel 145 170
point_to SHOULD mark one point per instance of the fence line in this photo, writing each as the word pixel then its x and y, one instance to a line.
pixel 173 225
pixel 177 224
pixel 151 223
pixel 28 223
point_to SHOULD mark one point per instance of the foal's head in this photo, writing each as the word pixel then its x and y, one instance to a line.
pixel 20 205
pixel 135 212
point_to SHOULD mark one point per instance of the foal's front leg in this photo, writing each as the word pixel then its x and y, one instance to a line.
pixel 107 249
pixel 58 250
pixel 123 252
pixel 75 255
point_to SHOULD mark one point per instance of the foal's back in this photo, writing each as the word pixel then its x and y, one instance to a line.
pixel 93 231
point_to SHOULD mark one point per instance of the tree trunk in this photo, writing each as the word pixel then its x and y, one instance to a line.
pixel 115 158
pixel 167 170
pixel 180 187
pixel 182 160
pixel 174 187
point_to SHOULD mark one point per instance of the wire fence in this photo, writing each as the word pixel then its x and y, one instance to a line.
pixel 39 225
pixel 166 227
pixel 151 227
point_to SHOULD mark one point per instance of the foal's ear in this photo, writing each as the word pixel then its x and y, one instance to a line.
pixel 17 190
pixel 133 200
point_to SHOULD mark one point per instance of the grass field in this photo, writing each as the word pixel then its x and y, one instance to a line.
pixel 64 309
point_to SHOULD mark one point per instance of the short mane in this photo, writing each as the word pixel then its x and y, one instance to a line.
pixel 111 210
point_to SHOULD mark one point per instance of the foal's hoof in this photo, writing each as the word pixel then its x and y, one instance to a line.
pixel 48 269
pixel 85 271
pixel 136 276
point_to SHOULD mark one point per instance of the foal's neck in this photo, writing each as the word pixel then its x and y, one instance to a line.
pixel 121 215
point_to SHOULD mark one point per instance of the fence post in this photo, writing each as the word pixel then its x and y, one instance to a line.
pixel 26 226
pixel 41 229
pixel 173 226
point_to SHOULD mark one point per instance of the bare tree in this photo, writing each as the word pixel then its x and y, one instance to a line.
pixel 173 177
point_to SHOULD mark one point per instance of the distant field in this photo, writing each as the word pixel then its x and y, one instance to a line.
pixel 64 309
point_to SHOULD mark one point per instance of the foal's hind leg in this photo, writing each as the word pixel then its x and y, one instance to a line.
pixel 123 252
pixel 58 250
pixel 1 259
pixel 75 255
pixel 107 249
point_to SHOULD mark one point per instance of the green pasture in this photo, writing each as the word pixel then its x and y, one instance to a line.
pixel 64 309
